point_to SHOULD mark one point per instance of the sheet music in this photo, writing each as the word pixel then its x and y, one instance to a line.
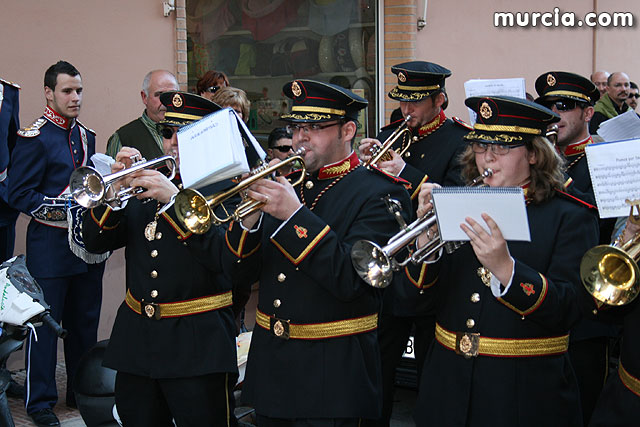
pixel 615 175
pixel 618 128
pixel 211 149
pixel 505 205
pixel 503 87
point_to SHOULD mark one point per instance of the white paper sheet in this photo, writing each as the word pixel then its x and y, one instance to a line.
pixel 494 87
pixel 505 205
pixel 618 128
pixel 615 174
pixel 212 149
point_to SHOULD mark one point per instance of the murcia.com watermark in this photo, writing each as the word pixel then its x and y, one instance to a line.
pixel 558 18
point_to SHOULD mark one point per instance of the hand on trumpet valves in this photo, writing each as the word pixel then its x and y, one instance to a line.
pixel 278 195
pixel 490 247
pixel 366 146
pixel 156 185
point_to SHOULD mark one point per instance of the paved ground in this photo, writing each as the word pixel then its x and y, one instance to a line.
pixel 403 406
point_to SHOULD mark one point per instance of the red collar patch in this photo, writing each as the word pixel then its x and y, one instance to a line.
pixel 577 147
pixel 433 125
pixel 56 118
pixel 339 168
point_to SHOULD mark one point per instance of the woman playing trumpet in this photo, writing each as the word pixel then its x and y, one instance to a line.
pixel 505 309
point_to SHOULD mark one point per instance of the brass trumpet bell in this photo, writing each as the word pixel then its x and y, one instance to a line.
pixel 610 273
pixel 196 211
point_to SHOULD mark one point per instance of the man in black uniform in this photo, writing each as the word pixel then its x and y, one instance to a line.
pixel 572 96
pixel 314 357
pixel 173 341
pixel 435 143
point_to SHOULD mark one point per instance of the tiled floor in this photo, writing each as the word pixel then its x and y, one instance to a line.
pixel 68 417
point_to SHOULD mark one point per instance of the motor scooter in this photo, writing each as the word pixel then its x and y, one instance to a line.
pixel 22 310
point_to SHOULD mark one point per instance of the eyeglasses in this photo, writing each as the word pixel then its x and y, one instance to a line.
pixel 212 89
pixel 166 131
pixel 282 148
pixel 312 128
pixel 499 149
pixel 634 95
pixel 562 104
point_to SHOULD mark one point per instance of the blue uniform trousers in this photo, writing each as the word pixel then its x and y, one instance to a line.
pixel 75 300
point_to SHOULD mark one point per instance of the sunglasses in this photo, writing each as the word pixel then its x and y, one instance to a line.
pixel 283 148
pixel 634 95
pixel 212 89
pixel 166 131
pixel 562 105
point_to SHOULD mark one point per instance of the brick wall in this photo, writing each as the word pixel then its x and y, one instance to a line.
pixel 399 43
pixel 181 44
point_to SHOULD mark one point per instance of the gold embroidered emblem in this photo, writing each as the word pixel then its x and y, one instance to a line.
pixel 295 89
pixel 338 169
pixel 485 110
pixel 402 77
pixel 484 275
pixel 149 310
pixel 551 81
pixel 301 232
pixel 465 344
pixel 278 328
pixel 177 100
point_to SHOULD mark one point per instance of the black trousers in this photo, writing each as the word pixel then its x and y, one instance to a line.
pixel 393 334
pixel 192 402
pixel 590 362
pixel 308 422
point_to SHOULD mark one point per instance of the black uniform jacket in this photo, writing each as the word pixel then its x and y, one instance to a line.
pixel 540 303
pixel 175 266
pixel 619 402
pixel 306 276
pixel 433 158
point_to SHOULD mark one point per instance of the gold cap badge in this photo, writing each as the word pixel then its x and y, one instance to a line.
pixel 295 89
pixel 551 81
pixel 485 111
pixel 402 77
pixel 177 100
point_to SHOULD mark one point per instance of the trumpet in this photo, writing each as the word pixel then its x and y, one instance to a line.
pixel 376 264
pixel 381 152
pixel 89 188
pixel 610 273
pixel 197 212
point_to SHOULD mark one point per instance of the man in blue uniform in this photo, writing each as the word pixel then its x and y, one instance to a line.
pixel 316 319
pixel 434 145
pixel 46 153
pixel 9 125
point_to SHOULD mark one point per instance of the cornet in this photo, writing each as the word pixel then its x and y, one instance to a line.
pixel 381 152
pixel 196 211
pixel 376 264
pixel 89 188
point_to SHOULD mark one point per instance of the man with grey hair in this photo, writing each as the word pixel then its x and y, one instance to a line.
pixel 599 78
pixel 141 133
pixel 612 103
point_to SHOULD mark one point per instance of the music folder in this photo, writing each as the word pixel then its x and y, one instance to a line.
pixel 212 149
pixel 506 205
